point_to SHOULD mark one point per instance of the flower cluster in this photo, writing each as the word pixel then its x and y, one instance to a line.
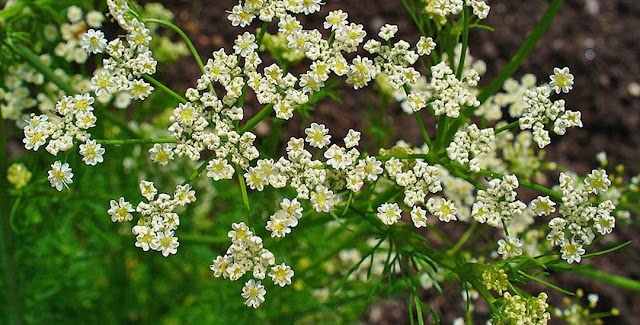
pixel 281 222
pixel 75 117
pixel 451 94
pixel 519 310
pixel 128 60
pixel 246 254
pixel 471 142
pixel 73 34
pixel 440 9
pixel 579 220
pixel 497 203
pixel 157 224
pixel 539 111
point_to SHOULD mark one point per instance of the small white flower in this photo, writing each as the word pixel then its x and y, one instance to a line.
pixel 281 274
pixel 60 175
pixel 510 247
pixel 389 213
pixel 74 14
pixel 120 211
pixel 92 152
pixel 148 190
pixel 254 293
pixel 388 31
pixel 161 154
pixel 561 80
pixel 93 41
pixel 419 217
pixel 317 135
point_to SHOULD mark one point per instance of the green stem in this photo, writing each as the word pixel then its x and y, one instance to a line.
pixel 413 16
pixel 423 130
pixel 184 36
pixel 616 280
pixel 465 40
pixel 135 141
pixel 165 88
pixel 508 127
pixel 243 187
pixel 7 244
pixel 256 119
pixel 36 63
pixel 197 172
pixel 467 234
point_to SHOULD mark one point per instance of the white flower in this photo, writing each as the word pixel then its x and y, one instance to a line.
pixel 239 17
pixel 543 206
pixel 165 242
pixel 337 157
pixel 322 199
pixel 93 41
pixel 219 169
pixel 245 44
pixel 419 217
pixel 561 80
pixel 572 252
pixel 161 154
pixel 425 45
pixel 74 14
pixel 60 175
pixel 148 190
pixel 335 19
pixel 510 247
pixel 120 211
pixel 597 181
pixel 91 152
pixel 389 213
pixel 388 31
pixel 352 139
pixel 254 293
pixel 317 135
pixel 95 19
pixel 140 89
pixel 281 274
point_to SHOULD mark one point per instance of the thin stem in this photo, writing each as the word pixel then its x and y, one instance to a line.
pixel 165 88
pixel 467 234
pixel 197 172
pixel 423 130
pixel 465 40
pixel 508 126
pixel 184 36
pixel 256 119
pixel 135 141
pixel 36 63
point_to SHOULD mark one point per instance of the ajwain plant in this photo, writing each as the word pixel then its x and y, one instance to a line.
pixel 338 218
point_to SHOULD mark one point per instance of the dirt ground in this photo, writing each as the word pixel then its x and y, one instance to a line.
pixel 597 39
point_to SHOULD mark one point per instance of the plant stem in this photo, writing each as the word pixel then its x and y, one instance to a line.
pixel 135 141
pixel 184 36
pixel 256 119
pixel 507 127
pixel 165 88
pixel 465 40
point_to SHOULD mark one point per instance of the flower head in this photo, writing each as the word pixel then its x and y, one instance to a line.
pixel 60 175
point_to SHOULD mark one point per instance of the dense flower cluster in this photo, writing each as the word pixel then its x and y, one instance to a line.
pixel 157 224
pixel 246 254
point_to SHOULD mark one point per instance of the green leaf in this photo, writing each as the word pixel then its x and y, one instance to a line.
pixel 545 283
